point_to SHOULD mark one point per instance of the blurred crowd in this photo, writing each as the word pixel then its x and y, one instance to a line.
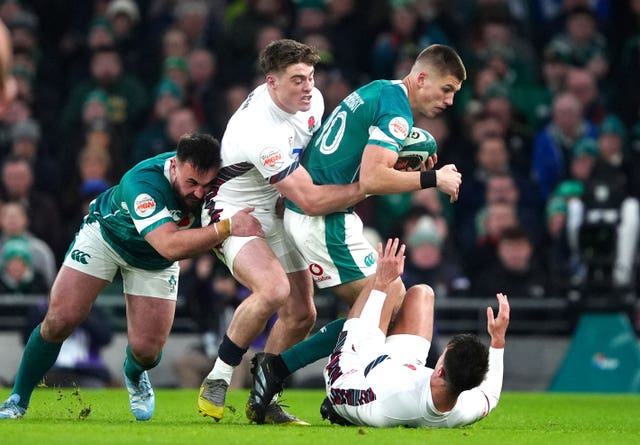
pixel 546 129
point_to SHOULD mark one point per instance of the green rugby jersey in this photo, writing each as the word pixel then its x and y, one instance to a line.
pixel 377 113
pixel 143 200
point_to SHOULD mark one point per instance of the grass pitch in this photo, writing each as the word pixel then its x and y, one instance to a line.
pixel 78 416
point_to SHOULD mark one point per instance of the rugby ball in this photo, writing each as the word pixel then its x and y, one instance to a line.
pixel 418 146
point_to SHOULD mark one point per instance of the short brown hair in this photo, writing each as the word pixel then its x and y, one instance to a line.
pixel 279 54
pixel 444 59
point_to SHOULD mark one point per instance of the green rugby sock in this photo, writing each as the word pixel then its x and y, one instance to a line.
pixel 319 345
pixel 133 369
pixel 38 357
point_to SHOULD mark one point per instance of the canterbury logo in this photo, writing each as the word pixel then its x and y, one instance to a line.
pixel 80 256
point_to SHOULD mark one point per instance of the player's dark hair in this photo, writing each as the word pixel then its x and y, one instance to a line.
pixel 444 59
pixel 279 54
pixel 466 363
pixel 201 150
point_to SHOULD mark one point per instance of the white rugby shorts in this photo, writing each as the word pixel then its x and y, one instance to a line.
pixel 279 242
pixel 91 253
pixel 333 246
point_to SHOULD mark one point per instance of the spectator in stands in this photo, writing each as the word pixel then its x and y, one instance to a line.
pixel 517 269
pixel 517 134
pixel 239 49
pixel 153 137
pixel 583 84
pixel 124 18
pixel 176 69
pixel 427 260
pixel 583 159
pixel 18 275
pixel 503 187
pixel 14 223
pixel 552 145
pixel 42 208
pixel 581 43
pixel 194 19
pixel 26 143
pixel 203 93
pixel 490 222
pixel 180 121
pixel 127 96
pixel 614 159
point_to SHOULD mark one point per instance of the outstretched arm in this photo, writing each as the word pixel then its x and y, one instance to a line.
pixel 476 403
pixel 497 328
pixel 390 266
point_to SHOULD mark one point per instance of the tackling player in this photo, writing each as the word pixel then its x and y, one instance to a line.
pixel 260 161
pixel 140 228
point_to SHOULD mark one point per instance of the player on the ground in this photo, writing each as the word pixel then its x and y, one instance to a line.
pixel 360 141
pixel 260 162
pixel 141 228
pixel 376 375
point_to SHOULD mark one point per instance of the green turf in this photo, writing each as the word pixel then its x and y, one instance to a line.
pixel 67 417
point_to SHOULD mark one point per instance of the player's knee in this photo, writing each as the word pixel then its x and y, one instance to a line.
pixel 422 292
pixel 57 326
pixel 145 350
pixel 275 293
pixel 299 319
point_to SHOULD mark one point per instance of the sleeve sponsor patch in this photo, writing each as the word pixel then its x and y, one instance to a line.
pixel 399 127
pixel 272 159
pixel 144 205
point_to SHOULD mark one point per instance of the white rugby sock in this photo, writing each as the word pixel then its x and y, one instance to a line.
pixel 221 370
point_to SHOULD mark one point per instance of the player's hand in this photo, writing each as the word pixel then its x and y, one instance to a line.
pixel 497 326
pixel 430 164
pixel 390 263
pixel 245 224
pixel 448 180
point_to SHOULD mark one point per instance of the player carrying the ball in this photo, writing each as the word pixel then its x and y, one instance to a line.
pixel 361 141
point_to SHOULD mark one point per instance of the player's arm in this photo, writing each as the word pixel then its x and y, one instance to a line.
pixel 390 265
pixel 174 244
pixel 314 199
pixel 379 177
pixel 497 328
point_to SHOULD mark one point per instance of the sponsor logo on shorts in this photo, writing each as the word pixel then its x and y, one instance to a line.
pixel 399 127
pixel 318 274
pixel 271 158
pixel 80 256
pixel 144 205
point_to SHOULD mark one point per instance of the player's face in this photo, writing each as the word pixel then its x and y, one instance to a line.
pixel 190 185
pixel 291 88
pixel 435 93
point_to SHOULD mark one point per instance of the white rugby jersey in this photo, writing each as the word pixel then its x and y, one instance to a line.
pixel 262 145
pixel 403 397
